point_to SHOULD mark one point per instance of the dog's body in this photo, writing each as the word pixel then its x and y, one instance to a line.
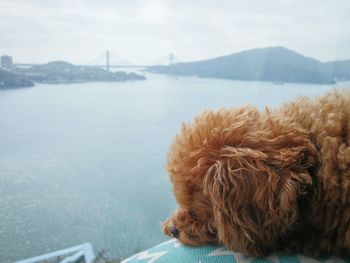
pixel 264 182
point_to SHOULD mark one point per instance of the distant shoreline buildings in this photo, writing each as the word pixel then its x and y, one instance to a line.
pixel 6 62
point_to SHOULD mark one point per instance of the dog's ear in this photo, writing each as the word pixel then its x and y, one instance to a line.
pixel 254 194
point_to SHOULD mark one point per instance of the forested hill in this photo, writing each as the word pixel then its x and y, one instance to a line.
pixel 264 64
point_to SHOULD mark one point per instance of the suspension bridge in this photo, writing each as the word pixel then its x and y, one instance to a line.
pixel 110 60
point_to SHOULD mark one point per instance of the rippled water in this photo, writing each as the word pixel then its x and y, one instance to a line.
pixel 85 162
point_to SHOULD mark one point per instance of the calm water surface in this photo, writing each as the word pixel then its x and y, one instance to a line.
pixel 85 162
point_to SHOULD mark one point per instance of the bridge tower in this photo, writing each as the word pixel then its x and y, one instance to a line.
pixel 171 58
pixel 107 61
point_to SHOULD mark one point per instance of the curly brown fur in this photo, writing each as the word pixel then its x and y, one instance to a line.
pixel 260 182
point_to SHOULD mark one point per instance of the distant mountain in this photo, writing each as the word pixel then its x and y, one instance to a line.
pixel 9 80
pixel 55 66
pixel 266 64
pixel 340 70
pixel 63 72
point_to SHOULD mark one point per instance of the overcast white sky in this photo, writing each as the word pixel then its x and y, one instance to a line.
pixel 142 31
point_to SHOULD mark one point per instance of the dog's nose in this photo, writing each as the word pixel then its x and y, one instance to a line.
pixel 174 232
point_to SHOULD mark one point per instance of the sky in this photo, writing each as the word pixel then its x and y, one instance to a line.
pixel 146 31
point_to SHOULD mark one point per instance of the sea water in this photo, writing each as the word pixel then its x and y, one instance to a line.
pixel 85 162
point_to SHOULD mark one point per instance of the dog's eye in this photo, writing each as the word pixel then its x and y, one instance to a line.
pixel 192 214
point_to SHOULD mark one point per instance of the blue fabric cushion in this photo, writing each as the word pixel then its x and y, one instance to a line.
pixel 172 251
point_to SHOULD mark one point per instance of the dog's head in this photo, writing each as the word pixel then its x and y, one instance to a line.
pixel 238 176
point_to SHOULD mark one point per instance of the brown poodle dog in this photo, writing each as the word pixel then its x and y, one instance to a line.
pixel 261 182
